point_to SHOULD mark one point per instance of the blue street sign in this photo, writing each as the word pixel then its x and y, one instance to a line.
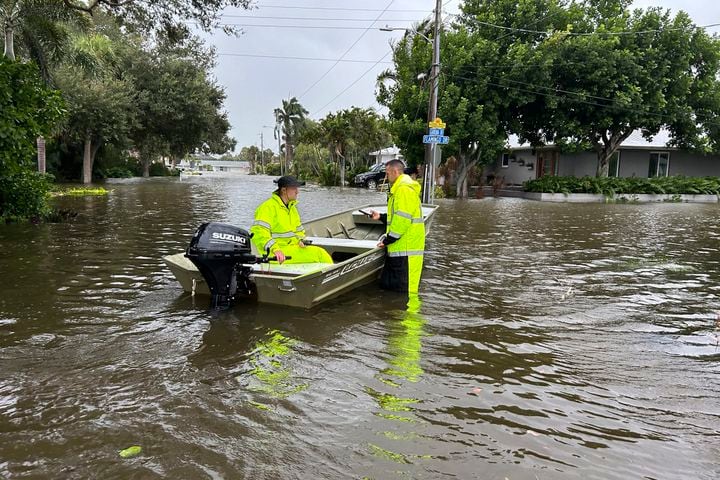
pixel 443 140
pixel 437 131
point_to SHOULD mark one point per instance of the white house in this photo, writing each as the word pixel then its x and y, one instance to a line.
pixel 386 154
pixel 214 164
pixel 636 157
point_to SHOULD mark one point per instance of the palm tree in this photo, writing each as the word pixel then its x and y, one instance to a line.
pixel 335 131
pixel 41 28
pixel 289 117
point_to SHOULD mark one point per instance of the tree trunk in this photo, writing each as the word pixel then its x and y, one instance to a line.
pixel 9 42
pixel 87 161
pixel 464 166
pixel 465 163
pixel 607 148
pixel 603 166
pixel 287 154
pixel 342 171
pixel 146 167
pixel 94 152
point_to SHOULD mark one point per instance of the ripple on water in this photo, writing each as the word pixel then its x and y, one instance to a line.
pixel 553 342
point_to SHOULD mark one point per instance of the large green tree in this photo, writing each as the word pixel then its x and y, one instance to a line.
pixel 588 75
pixel 475 111
pixel 180 108
pixel 170 18
pixel 29 109
pixel 101 104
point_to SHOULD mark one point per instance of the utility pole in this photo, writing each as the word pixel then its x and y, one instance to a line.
pixel 278 134
pixel 262 153
pixel 432 150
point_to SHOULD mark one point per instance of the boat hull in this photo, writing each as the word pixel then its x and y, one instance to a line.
pixel 350 237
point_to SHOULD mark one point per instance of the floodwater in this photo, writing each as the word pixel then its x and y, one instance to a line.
pixel 553 342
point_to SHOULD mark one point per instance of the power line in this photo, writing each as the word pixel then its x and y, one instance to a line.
pixel 351 85
pixel 283 57
pixel 317 27
pixel 585 34
pixel 585 102
pixel 340 9
pixel 347 51
pixel 324 19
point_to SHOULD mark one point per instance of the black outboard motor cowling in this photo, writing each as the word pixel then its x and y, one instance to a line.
pixel 217 249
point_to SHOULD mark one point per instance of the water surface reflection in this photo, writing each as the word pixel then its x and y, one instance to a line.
pixel 553 341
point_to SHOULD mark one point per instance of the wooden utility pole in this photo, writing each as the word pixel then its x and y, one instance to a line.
pixel 432 150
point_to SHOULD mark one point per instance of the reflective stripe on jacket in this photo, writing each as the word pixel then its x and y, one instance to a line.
pixel 276 225
pixel 404 219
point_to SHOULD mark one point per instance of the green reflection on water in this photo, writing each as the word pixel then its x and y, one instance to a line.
pixel 404 366
pixel 273 377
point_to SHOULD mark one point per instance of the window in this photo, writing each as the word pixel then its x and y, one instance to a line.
pixel 659 164
pixel 505 160
pixel 614 165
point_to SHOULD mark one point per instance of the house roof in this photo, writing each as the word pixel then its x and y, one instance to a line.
pixel 394 150
pixel 635 140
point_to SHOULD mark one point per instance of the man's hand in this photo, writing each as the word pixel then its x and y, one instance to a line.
pixel 374 215
pixel 381 241
pixel 301 244
pixel 279 256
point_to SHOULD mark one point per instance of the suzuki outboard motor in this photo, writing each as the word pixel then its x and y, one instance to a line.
pixel 218 250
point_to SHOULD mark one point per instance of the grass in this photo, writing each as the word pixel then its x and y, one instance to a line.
pixel 81 192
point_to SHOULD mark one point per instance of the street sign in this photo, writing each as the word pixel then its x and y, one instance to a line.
pixel 441 139
pixel 437 131
pixel 437 123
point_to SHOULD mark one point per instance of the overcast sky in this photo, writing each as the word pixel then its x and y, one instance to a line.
pixel 256 83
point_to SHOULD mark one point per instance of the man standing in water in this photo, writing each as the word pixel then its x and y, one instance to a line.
pixel 405 234
pixel 277 229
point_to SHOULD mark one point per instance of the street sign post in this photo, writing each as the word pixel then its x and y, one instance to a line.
pixel 436 136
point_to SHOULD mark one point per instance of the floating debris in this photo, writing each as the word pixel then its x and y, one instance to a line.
pixel 131 451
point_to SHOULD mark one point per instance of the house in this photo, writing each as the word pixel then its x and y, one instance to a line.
pixel 386 154
pixel 636 157
pixel 214 164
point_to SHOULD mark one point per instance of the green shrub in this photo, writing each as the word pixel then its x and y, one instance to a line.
pixel 612 186
pixel 24 196
pixel 272 169
pixel 118 172
pixel 160 170
pixel 29 109
pixel 329 175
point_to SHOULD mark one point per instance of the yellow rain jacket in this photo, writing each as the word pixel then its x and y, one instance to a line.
pixel 405 237
pixel 278 227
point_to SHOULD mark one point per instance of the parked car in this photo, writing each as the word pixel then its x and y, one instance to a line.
pixel 375 176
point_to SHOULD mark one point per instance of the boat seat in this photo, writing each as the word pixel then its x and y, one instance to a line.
pixel 342 231
pixel 345 230
pixel 348 245
pixel 289 268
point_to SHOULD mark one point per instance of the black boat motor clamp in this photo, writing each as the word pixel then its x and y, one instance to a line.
pixel 223 254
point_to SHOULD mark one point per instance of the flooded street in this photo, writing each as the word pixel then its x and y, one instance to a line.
pixel 554 341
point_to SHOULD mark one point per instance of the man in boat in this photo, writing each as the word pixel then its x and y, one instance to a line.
pixel 405 234
pixel 277 229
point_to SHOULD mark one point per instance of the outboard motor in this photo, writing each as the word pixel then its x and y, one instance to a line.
pixel 218 250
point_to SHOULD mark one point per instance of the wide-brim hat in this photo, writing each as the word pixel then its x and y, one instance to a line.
pixel 288 181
